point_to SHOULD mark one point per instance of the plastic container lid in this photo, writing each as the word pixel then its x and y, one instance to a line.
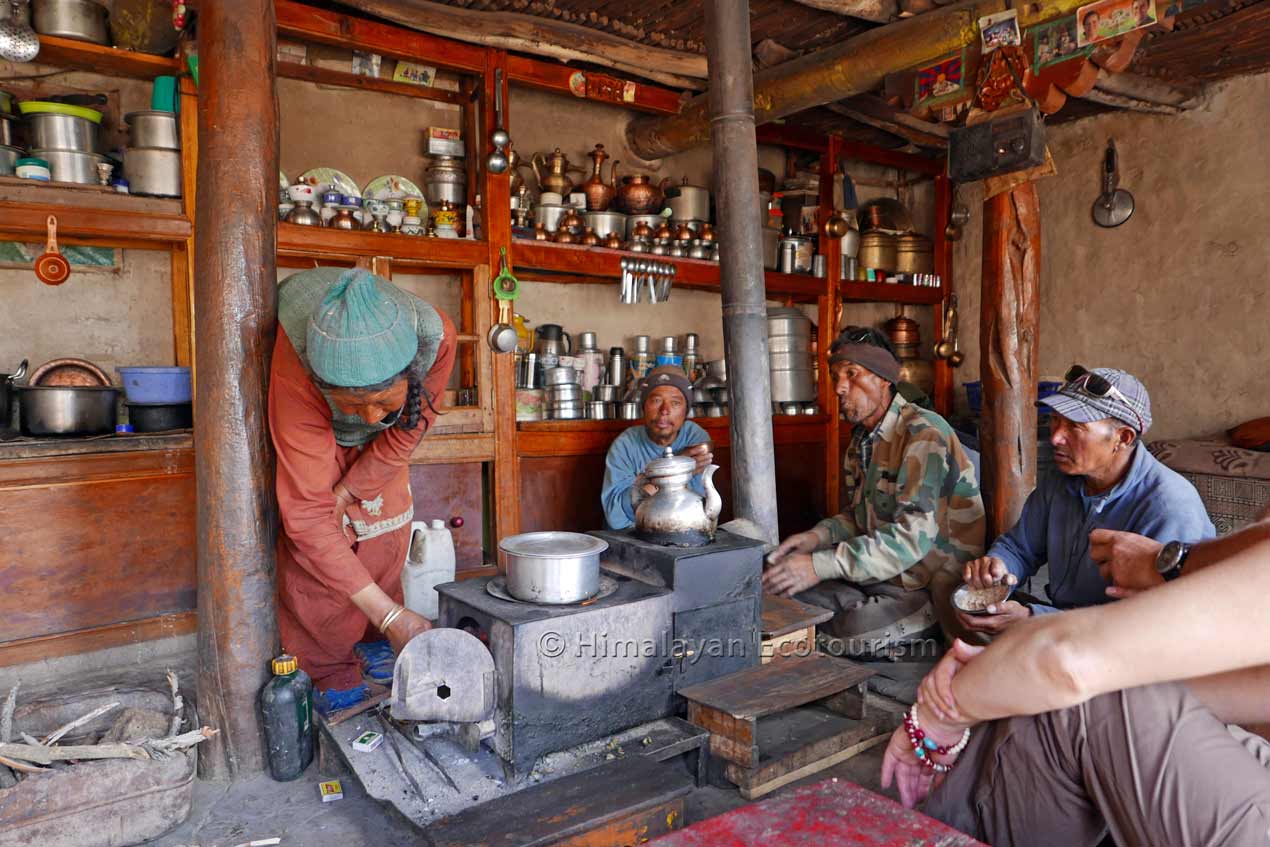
pixel 285 664
pixel 31 160
pixel 123 429
pixel 43 107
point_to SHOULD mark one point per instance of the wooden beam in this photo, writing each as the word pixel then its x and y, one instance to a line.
pixel 876 112
pixel 1141 93
pixel 327 76
pixel 235 317
pixel 878 11
pixel 559 40
pixel 1009 318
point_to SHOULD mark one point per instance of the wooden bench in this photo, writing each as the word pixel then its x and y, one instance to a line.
pixel 777 723
pixel 789 627
pixel 832 812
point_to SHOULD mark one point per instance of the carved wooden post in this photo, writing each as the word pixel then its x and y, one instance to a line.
pixel 1009 313
pixel 235 316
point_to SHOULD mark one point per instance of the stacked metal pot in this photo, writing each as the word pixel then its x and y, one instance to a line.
pixel 790 358
pixel 152 160
pixel 564 395
pixel 62 138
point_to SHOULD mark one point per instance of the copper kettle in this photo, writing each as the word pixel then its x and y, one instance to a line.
pixel 598 193
pixel 556 178
pixel 640 196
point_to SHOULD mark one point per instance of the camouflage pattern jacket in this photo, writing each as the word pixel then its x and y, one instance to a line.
pixel 911 502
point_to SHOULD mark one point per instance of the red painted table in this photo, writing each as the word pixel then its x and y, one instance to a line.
pixel 833 812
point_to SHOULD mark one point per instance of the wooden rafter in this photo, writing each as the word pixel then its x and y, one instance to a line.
pixel 878 11
pixel 877 113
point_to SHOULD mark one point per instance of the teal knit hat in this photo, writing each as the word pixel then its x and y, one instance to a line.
pixel 362 333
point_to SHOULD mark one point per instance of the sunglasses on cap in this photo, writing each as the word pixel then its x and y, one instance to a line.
pixel 855 336
pixel 1083 380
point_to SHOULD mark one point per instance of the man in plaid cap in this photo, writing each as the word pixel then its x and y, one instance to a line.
pixel 1105 478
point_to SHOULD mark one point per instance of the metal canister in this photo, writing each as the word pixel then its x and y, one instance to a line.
pixel 914 254
pixel 617 366
pixel 789 352
pixel 597 410
pixel 446 180
pixel 878 250
pixel 789 249
pixel 628 411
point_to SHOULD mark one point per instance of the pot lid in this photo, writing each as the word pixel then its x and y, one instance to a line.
pixel 668 464
pixel 553 545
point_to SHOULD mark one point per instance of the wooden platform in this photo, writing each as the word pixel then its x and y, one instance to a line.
pixel 789 627
pixel 777 723
pixel 833 812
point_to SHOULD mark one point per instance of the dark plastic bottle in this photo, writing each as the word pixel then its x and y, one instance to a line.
pixel 286 708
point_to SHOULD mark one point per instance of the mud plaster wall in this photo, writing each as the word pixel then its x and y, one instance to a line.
pixel 1177 295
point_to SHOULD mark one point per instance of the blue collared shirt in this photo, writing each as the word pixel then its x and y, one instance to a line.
pixel 1151 500
pixel 629 454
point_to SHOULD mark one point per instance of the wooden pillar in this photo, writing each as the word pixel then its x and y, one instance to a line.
pixel 1009 314
pixel 235 316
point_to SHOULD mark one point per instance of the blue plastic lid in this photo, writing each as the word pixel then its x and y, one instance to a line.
pixel 123 429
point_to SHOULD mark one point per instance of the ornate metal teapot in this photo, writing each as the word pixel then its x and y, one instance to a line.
pixel 676 516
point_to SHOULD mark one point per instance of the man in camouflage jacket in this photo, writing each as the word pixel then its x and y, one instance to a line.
pixel 912 513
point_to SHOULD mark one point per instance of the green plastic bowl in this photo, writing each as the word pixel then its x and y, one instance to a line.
pixel 43 107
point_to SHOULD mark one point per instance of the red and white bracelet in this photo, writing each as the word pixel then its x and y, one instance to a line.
pixel 924 747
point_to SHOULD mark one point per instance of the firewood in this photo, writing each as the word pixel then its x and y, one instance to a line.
pixel 6 715
pixel 178 704
pixel 80 721
pixel 20 766
pixel 41 755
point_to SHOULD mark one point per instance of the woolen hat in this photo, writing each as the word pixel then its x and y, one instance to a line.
pixel 1129 403
pixel 666 375
pixel 362 333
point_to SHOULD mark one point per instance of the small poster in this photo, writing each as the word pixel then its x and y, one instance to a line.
pixel 414 74
pixel 366 64
pixel 1112 18
pixel 1056 42
pixel 1000 30
pixel 941 81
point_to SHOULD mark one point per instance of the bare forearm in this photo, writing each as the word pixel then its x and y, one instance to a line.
pixel 1179 631
pixel 1215 550
pixel 1241 696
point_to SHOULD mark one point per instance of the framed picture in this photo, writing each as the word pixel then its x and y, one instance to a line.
pixel 1055 42
pixel 1000 30
pixel 1111 18
pixel 941 82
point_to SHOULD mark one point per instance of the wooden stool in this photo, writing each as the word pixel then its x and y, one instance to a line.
pixel 789 627
pixel 777 723
pixel 829 812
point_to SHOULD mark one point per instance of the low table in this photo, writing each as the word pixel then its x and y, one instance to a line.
pixel 789 627
pixel 834 811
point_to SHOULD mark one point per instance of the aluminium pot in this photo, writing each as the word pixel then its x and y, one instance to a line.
pixel 552 567
pixel 71 165
pixel 9 125
pixel 605 223
pixel 84 20
pixel 688 202
pixel 152 128
pixel 9 159
pixel 66 409
pixel 154 171
pixel 54 131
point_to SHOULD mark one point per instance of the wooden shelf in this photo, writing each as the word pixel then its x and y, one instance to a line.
pixel 109 61
pixel 341 246
pixel 881 292
pixel 89 214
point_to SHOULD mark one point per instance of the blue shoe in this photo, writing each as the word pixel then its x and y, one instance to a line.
pixel 371 651
pixel 377 660
pixel 334 700
pixel 380 671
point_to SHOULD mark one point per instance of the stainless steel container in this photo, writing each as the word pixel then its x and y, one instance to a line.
pixel 688 202
pixel 71 165
pixel 552 567
pixel 567 413
pixel 561 376
pixel 8 129
pixel 84 20
pixel 788 255
pixel 446 179
pixel 604 223
pixel 66 410
pixel 568 393
pixel 597 410
pixel 617 367
pixel 153 129
pixel 50 131
pixel 771 247
pixel 789 344
pixel 628 411
pixel 549 215
pixel 605 393
pixel 9 159
pixel 153 170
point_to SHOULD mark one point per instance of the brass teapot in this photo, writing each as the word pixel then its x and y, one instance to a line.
pixel 600 194
pixel 557 177
pixel 675 516
pixel 639 195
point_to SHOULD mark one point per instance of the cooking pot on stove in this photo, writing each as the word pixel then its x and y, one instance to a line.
pixel 553 568
pixel 675 516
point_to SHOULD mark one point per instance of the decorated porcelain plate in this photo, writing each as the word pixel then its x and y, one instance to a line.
pixel 391 187
pixel 329 179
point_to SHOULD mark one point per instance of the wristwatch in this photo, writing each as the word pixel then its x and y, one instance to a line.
pixel 1172 557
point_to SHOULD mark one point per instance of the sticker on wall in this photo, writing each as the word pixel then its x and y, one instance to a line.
pixel 14 254
pixel 1055 42
pixel 366 64
pixel 941 82
pixel 1000 30
pixel 414 74
pixel 1111 18
pixel 577 84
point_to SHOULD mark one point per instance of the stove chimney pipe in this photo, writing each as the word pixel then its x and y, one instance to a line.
pixel 741 262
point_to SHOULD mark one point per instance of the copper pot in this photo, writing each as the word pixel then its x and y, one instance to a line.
pixel 684 233
pixel 589 237
pixel 639 196
pixel 878 250
pixel 664 231
pixel 914 254
pixel 642 230
pixel 598 193
pixel 903 330
pixel 571 222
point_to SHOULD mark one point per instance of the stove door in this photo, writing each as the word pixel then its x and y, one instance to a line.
pixel 723 639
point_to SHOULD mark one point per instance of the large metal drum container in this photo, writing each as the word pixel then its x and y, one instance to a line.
pixel 789 354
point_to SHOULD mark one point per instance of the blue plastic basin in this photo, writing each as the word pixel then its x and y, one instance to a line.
pixel 156 384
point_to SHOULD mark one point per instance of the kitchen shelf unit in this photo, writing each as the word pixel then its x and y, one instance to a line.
pixel 107 61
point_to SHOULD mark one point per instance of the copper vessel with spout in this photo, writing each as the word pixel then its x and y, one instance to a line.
pixel 639 195
pixel 600 194
pixel 556 176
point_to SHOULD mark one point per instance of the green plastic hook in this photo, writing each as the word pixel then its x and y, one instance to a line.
pixel 506 286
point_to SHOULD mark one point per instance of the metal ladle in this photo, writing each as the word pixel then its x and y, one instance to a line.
pixel 497 162
pixel 18 42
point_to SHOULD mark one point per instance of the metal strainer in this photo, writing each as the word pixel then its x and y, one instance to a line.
pixel 18 42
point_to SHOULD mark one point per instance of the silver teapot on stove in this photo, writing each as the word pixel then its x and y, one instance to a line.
pixel 676 515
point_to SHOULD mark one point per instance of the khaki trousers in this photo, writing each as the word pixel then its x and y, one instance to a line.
pixel 873 620
pixel 1150 766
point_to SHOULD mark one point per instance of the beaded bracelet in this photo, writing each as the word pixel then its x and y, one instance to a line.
pixel 925 747
pixel 394 613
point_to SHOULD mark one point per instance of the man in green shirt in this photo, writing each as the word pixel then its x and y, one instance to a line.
pixel 912 514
